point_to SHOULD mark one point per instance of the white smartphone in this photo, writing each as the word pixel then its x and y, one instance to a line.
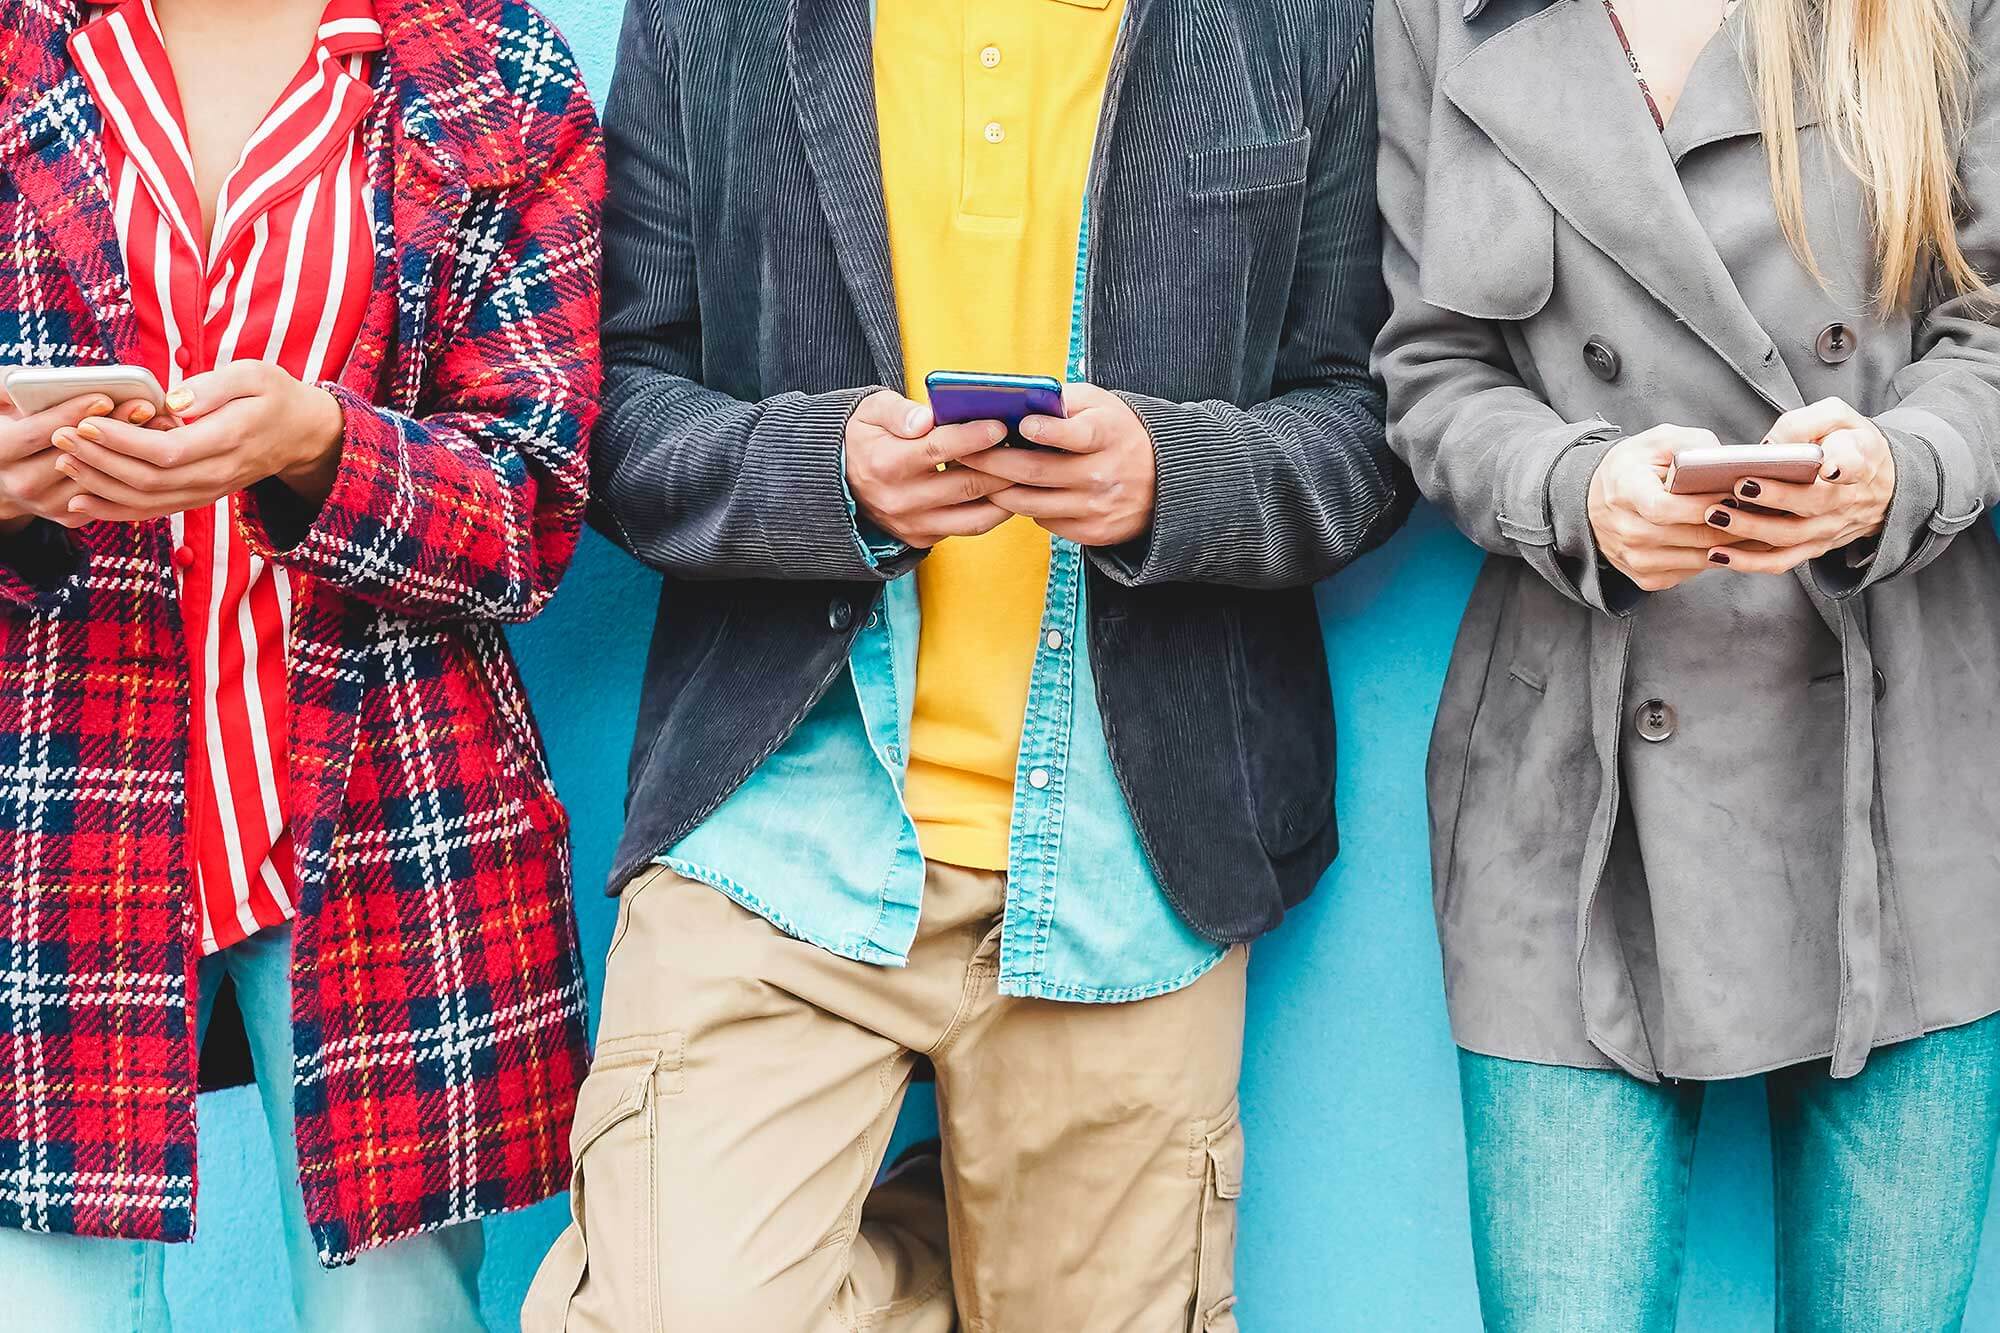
pixel 39 388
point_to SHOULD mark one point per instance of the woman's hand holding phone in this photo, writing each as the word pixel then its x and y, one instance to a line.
pixel 1653 537
pixel 1848 503
pixel 32 485
pixel 235 426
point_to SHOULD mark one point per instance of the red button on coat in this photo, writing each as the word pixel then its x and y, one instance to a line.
pixel 184 558
pixel 184 358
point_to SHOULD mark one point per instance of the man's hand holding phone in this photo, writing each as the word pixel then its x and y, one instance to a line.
pixel 899 470
pixel 1094 478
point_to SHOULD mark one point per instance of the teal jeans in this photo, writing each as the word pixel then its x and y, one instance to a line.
pixel 1579 1186
pixel 78 1284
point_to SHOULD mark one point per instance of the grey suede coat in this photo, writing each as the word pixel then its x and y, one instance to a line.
pixel 1755 820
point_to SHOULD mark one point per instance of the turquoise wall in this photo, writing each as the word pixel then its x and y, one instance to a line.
pixel 1353 1214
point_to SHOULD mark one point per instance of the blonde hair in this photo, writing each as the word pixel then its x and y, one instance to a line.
pixel 1890 80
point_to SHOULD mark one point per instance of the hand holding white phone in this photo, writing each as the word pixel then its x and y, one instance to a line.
pixel 36 389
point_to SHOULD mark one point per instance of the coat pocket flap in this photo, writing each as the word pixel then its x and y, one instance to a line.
pixel 1489 240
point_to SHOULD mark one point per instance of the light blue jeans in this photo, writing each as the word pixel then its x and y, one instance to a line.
pixel 1579 1184
pixel 75 1284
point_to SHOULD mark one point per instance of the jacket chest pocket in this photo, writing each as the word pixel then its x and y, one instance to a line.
pixel 1233 229
pixel 1248 173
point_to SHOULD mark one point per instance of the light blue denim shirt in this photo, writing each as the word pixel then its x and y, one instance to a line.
pixel 819 842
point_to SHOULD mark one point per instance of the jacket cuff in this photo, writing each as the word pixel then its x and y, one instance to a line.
pixel 1922 518
pixel 1544 511
pixel 1598 584
pixel 280 524
pixel 39 561
pixel 1184 447
pixel 883 553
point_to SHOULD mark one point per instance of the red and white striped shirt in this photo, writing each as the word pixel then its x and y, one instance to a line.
pixel 284 277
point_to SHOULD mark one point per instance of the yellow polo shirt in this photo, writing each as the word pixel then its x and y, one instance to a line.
pixel 987 112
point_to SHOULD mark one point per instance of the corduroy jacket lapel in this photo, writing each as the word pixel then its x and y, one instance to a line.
pixel 828 54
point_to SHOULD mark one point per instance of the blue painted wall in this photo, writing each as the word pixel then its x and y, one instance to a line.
pixel 1353 1215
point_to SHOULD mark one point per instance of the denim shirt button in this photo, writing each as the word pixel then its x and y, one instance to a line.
pixel 1038 778
pixel 1054 640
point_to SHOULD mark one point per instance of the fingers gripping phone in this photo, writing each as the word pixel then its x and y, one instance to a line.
pixel 38 388
pixel 1715 470
pixel 963 395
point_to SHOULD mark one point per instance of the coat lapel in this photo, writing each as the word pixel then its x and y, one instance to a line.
pixel 1718 102
pixel 437 132
pixel 51 148
pixel 443 134
pixel 1555 94
pixel 828 54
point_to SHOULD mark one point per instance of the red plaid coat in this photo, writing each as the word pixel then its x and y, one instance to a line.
pixel 438 999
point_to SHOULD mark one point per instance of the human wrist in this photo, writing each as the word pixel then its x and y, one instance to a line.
pixel 310 474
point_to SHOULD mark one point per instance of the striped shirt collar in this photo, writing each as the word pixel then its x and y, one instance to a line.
pixel 347 27
pixel 122 45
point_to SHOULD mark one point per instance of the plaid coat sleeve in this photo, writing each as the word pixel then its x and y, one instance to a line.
pixel 473 508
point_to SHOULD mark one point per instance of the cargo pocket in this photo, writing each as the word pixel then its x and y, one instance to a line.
pixel 612 1205
pixel 1219 1159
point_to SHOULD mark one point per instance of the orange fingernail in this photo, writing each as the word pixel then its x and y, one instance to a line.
pixel 90 432
pixel 141 414
pixel 180 400
pixel 63 439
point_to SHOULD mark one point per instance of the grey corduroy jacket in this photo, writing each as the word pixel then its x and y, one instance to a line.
pixel 1233 292
pixel 1755 820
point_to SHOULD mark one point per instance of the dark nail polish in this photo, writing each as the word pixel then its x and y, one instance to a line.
pixel 1751 490
pixel 1719 518
pixel 1718 557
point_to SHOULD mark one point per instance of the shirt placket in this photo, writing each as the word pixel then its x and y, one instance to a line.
pixel 1035 832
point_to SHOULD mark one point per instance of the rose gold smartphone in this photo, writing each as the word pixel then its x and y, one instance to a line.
pixel 1716 470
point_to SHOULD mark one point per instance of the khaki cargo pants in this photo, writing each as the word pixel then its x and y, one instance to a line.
pixel 731 1132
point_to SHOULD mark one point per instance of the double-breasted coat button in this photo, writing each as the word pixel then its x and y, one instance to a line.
pixel 839 613
pixel 1655 720
pixel 1602 358
pixel 1881 683
pixel 1836 344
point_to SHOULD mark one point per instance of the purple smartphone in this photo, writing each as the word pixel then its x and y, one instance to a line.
pixel 963 395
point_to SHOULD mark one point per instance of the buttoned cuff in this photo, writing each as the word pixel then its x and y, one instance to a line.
pixel 877 547
pixel 1598 583
pixel 1922 517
